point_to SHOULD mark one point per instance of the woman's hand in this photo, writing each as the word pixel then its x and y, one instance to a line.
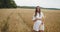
pixel 38 19
pixel 42 23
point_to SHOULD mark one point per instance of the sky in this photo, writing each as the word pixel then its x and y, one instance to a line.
pixel 41 3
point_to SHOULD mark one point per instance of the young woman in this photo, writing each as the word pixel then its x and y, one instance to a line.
pixel 38 18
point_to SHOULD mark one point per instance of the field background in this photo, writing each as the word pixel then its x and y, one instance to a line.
pixel 20 20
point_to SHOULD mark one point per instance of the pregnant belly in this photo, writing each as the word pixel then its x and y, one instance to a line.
pixel 38 21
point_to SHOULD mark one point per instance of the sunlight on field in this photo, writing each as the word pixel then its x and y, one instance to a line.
pixel 20 20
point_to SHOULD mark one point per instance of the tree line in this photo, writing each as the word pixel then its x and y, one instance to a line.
pixel 7 4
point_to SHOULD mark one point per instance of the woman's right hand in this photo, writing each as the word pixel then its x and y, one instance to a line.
pixel 35 20
pixel 38 19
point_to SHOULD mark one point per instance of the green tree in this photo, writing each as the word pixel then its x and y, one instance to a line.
pixel 7 4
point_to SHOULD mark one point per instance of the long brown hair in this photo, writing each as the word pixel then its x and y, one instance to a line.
pixel 37 11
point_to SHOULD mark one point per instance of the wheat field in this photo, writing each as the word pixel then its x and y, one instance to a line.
pixel 20 20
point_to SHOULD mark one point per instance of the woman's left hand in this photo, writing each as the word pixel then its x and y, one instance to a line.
pixel 42 23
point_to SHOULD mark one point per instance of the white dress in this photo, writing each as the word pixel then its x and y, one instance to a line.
pixel 37 25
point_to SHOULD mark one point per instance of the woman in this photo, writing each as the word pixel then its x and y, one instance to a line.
pixel 38 20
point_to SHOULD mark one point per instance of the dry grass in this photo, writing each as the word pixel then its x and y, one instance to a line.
pixel 20 20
